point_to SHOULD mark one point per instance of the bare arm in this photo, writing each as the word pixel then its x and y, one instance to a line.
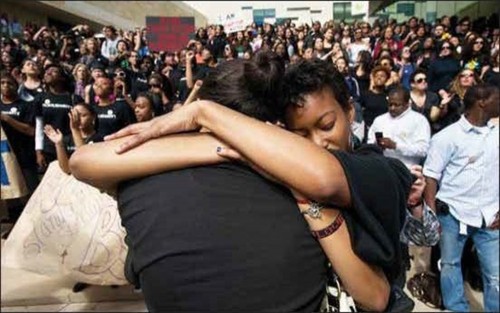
pixel 99 165
pixel 273 149
pixel 189 69
pixel 17 125
pixel 57 138
pixel 430 192
pixel 366 284
pixel 276 151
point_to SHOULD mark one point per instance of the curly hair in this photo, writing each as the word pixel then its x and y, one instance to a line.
pixel 310 76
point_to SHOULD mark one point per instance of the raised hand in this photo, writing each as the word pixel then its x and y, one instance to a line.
pixel 53 134
pixel 74 119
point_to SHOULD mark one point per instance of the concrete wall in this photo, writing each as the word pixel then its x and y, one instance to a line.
pixel 121 14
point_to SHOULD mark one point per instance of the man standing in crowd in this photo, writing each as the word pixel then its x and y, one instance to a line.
pixel 463 162
pixel 403 133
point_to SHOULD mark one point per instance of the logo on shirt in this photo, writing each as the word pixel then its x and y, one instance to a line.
pixel 109 115
pixel 13 112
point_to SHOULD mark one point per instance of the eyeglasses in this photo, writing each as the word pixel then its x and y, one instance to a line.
pixel 120 74
pixel 466 75
pixel 420 80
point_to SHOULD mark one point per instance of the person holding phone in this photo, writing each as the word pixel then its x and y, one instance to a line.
pixel 403 133
pixel 463 162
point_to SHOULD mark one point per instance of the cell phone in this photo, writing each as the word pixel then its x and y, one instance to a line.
pixel 379 135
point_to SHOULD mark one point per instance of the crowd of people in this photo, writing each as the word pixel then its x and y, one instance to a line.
pixel 423 94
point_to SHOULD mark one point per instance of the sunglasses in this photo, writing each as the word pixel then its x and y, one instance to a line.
pixel 120 74
pixel 445 48
pixel 466 75
pixel 479 42
pixel 420 80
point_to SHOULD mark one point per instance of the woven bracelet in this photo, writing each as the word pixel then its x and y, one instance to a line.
pixel 330 229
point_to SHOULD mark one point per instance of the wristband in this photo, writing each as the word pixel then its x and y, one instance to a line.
pixel 330 229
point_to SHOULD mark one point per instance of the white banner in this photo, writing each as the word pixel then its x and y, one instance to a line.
pixel 233 22
pixel 68 228
pixel 359 7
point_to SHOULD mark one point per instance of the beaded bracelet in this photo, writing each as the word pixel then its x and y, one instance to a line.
pixel 330 229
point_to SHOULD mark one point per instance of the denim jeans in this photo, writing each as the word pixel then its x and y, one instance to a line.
pixel 452 245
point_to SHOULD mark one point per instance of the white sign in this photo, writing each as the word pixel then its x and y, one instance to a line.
pixel 71 229
pixel 233 22
pixel 270 20
pixel 359 7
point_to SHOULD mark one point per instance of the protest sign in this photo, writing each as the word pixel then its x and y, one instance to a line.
pixel 233 22
pixel 12 179
pixel 71 229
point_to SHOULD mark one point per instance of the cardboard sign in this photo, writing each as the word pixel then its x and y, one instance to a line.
pixel 12 179
pixel 71 229
pixel 169 33
pixel 233 22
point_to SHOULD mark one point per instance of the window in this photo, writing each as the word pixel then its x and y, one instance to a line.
pixel 260 15
pixel 342 11
pixel 408 9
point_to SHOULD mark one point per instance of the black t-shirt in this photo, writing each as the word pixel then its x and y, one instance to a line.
pixel 54 111
pixel 431 100
pixel 225 239
pixel 22 145
pixel 70 145
pixel 113 117
pixel 29 95
pixel 379 189
pixel 138 83
pixel 373 104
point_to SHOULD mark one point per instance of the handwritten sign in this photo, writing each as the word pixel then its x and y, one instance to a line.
pixel 11 178
pixel 69 228
pixel 233 22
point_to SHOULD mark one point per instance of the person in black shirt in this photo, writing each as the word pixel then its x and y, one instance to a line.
pixel 345 176
pixel 82 123
pixel 111 115
pixel 227 240
pixel 442 71
pixel 18 122
pixel 374 101
pixel 53 107
pixel 31 87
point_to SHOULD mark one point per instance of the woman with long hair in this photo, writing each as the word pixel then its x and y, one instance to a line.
pixel 451 106
pixel 81 76
pixel 90 52
pixel 362 70
pixel 444 69
pixel 388 42
pixel 476 55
